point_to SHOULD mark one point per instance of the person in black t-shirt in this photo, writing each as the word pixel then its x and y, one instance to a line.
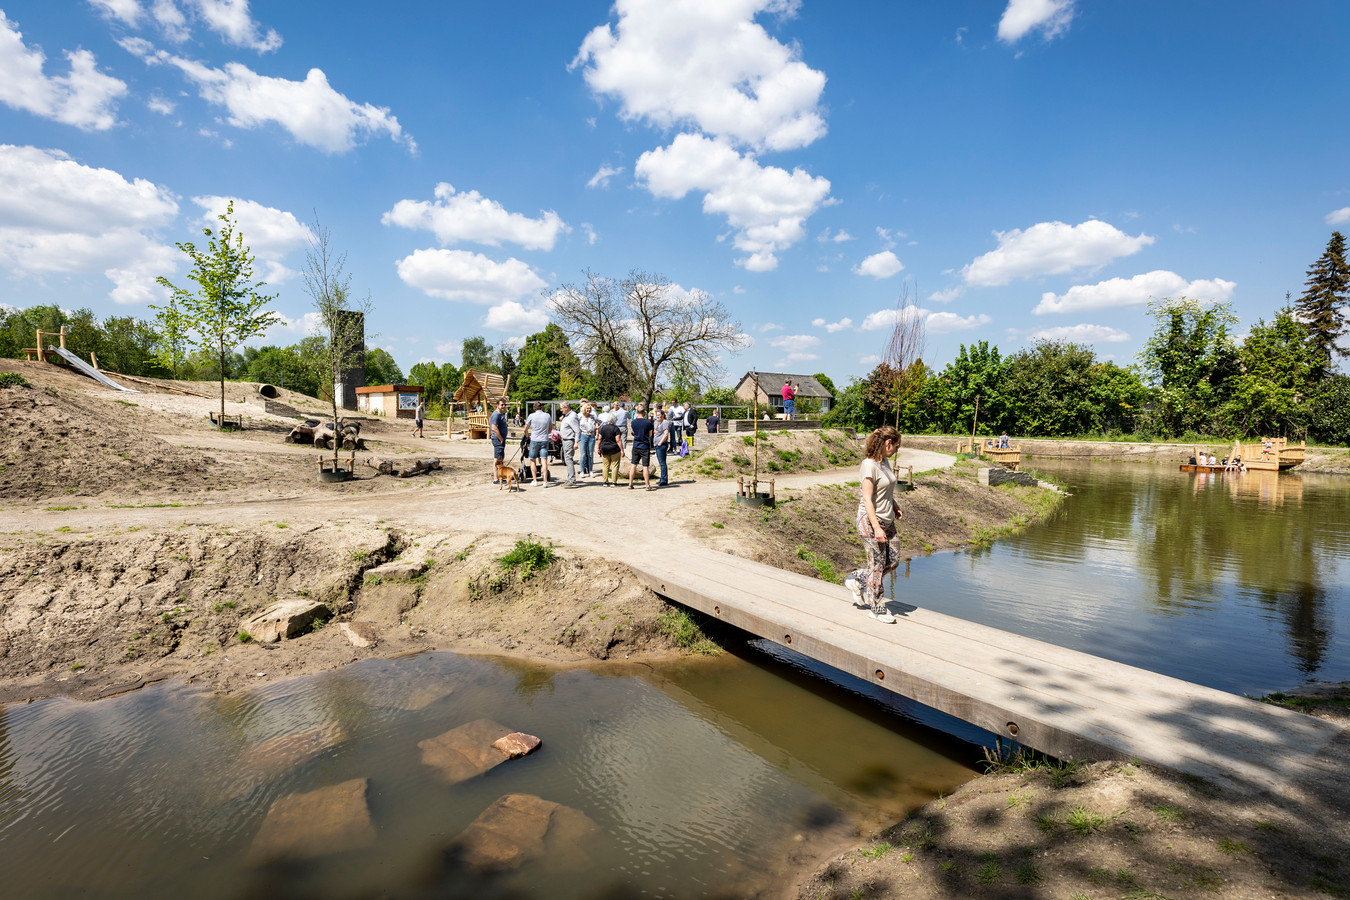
pixel 611 451
pixel 642 446
pixel 715 420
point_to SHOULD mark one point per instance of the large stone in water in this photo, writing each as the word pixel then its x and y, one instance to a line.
pixel 283 620
pixel 302 826
pixel 521 827
pixel 517 744
pixel 465 752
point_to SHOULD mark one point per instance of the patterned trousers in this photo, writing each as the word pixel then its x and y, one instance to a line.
pixel 883 557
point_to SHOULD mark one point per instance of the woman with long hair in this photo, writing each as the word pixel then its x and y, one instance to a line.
pixel 877 515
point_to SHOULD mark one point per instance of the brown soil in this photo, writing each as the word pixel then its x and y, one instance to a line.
pixel 780 453
pixel 1112 830
pixel 812 531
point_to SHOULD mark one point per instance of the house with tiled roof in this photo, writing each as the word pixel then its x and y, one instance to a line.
pixel 770 384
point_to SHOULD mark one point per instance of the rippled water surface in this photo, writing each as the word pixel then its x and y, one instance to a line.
pixel 1237 582
pixel 701 776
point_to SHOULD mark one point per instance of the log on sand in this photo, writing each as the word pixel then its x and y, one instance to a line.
pixel 404 468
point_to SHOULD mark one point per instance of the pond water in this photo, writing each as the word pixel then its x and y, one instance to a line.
pixel 706 777
pixel 703 777
pixel 1241 583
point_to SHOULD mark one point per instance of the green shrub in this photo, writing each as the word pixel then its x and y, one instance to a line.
pixel 528 556
pixel 12 379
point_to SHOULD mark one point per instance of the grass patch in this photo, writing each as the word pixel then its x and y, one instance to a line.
pixel 878 851
pixel 717 525
pixel 244 637
pixel 1026 873
pixel 989 870
pixel 1169 813
pixel 685 632
pixel 12 379
pixel 1083 820
pixel 824 568
pixel 1230 846
pixel 527 557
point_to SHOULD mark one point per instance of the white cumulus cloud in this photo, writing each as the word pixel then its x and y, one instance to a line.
pixel 1136 291
pixel 230 19
pixel 1050 248
pixel 270 233
pixel 1081 334
pixel 706 63
pixel 128 12
pixel 879 265
pixel 58 215
pixel 469 216
pixel 1339 217
pixel 832 327
pixel 463 275
pixel 935 322
pixel 798 348
pixel 311 110
pixel 767 205
pixel 946 296
pixel 945 322
pixel 1050 17
pixel 510 315
pixel 84 97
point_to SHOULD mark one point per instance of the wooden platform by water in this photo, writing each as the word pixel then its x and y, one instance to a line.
pixel 1059 701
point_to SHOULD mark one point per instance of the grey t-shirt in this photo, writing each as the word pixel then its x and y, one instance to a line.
pixel 540 424
pixel 883 488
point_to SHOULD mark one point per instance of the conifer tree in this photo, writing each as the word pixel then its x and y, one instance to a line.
pixel 1321 308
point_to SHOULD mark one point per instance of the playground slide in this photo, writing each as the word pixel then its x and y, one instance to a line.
pixel 90 370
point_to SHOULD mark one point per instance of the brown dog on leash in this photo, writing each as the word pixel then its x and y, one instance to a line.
pixel 507 476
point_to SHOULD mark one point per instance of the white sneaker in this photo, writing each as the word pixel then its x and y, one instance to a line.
pixel 853 585
pixel 884 618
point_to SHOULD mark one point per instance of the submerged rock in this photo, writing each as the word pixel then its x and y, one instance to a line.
pixel 283 620
pixel 302 826
pixel 278 755
pixel 521 827
pixel 517 744
pixel 465 752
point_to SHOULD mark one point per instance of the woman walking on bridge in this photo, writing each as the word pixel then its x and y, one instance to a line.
pixel 877 514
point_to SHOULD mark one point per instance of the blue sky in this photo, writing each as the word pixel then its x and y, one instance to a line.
pixel 1022 169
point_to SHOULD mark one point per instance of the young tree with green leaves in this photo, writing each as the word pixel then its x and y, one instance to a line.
pixel 1321 308
pixel 1189 361
pixel 225 309
pixel 341 320
pixel 477 353
pixel 1269 397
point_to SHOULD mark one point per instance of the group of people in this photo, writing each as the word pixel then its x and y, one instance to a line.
pixel 615 431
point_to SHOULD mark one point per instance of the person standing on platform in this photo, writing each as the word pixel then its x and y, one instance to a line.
pixel 417 421
pixel 876 518
pixel 789 394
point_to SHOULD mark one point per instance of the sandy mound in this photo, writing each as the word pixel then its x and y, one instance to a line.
pixel 780 453
pixel 63 442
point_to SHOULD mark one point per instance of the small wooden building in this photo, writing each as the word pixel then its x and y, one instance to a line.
pixel 398 400
pixel 479 393
pixel 771 390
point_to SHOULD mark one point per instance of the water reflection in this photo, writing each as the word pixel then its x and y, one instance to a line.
pixel 1240 582
pixel 695 775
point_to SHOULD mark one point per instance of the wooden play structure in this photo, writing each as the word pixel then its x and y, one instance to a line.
pixel 1265 455
pixel 479 392
pixel 66 357
pixel 988 448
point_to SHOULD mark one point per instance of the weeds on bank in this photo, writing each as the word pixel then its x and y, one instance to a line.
pixel 824 567
pixel 685 632
pixel 527 557
pixel 1023 761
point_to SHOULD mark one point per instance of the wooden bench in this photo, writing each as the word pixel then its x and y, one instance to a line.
pixel 223 422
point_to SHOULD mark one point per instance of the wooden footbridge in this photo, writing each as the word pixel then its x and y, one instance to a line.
pixel 1062 702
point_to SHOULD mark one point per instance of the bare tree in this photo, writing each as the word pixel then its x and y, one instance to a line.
pixel 643 323
pixel 897 379
pixel 340 321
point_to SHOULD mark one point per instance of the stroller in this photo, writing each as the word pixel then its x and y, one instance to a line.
pixel 525 471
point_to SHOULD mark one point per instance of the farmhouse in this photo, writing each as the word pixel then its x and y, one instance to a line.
pixel 770 383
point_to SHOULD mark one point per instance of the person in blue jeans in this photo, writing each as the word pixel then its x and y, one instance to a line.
pixel 539 423
pixel 588 425
pixel 661 445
